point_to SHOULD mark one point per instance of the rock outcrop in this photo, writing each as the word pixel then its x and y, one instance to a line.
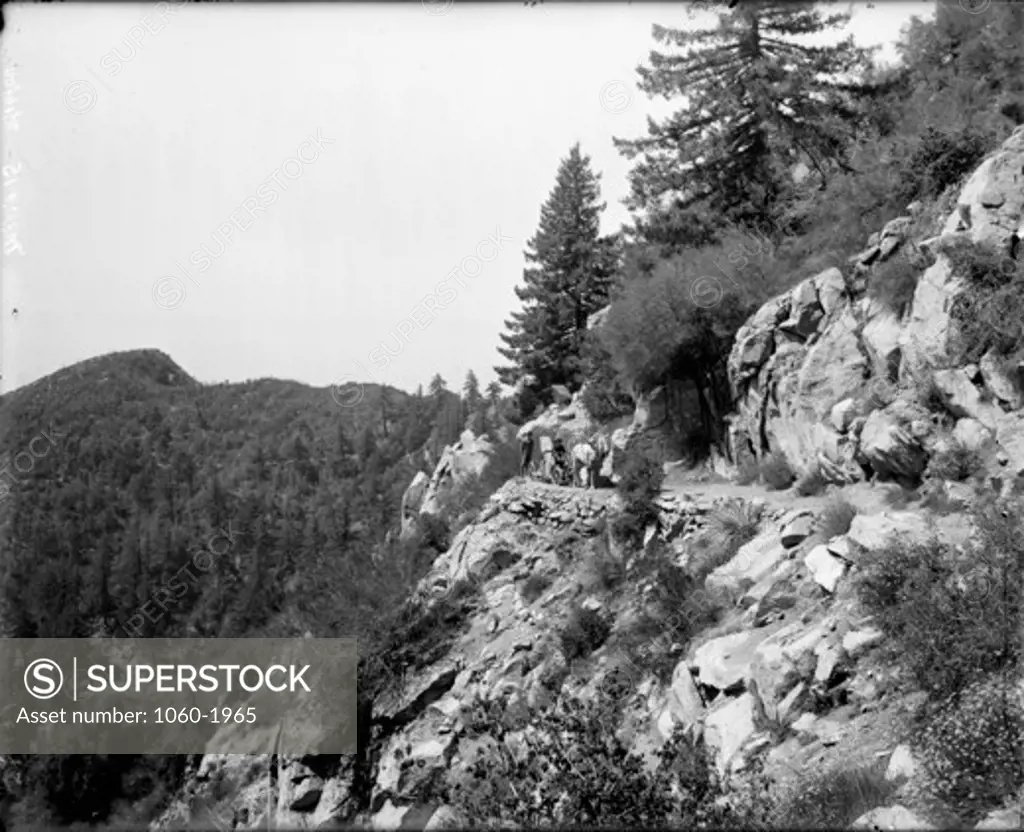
pixel 468 458
pixel 810 362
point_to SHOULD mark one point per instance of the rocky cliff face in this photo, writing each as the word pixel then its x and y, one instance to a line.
pixel 790 672
pixel 826 375
pixel 789 654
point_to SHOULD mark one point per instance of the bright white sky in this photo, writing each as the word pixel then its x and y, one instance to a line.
pixel 448 123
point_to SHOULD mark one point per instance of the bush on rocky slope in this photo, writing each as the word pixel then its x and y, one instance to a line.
pixel 836 518
pixel 939 159
pixel 776 473
pixel 989 313
pixel 639 486
pixel 951 616
pixel 729 526
pixel 892 283
pixel 585 630
pixel 954 461
pixel 832 799
pixel 414 636
pixel 970 752
pixel 570 769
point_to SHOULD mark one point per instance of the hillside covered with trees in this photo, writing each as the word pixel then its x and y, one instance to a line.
pixel 267 505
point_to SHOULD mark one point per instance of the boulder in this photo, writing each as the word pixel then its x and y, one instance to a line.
pixel 754 560
pixel 902 765
pixel 729 726
pixel 843 414
pixel 963 399
pixel 881 339
pixel 876 531
pixel 774 672
pixel 412 757
pixel 445 817
pixel 750 346
pixel 887 247
pixel 825 568
pixel 684 701
pixel 855 642
pixel 1010 435
pixel 338 803
pixel 467 458
pixel 773 595
pixel 389 816
pixel 724 663
pixel 972 434
pixel 412 501
pixel 831 666
pixel 840 547
pixel 806 724
pixel 1008 818
pixel 924 342
pixel 797 530
pixel 796 700
pixel 831 286
pixel 993 195
pixel 834 365
pixel 751 353
pixel 890 817
pixel 890 448
pixel 805 313
pixel 898 228
pixel 1002 383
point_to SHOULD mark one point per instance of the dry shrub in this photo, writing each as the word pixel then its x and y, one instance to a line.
pixel 728 527
pixel 836 518
pixel 584 631
pixel 776 473
pixel 833 799
pixel 893 282
pixel 811 483
pixel 970 752
pixel 950 616
pixel 955 461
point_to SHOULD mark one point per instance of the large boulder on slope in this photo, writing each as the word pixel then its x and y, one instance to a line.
pixel 890 447
pixel 469 457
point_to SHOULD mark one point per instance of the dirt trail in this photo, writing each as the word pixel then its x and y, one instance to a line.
pixel 868 499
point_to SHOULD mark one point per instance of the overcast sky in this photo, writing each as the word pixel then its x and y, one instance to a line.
pixel 366 151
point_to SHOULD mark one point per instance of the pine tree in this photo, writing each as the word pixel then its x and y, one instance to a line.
pixel 437 388
pixel 569 279
pixel 473 403
pixel 757 102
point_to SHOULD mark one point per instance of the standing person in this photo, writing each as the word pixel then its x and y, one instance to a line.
pixel 525 453
pixel 561 467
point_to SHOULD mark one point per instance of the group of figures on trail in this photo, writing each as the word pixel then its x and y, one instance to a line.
pixel 557 465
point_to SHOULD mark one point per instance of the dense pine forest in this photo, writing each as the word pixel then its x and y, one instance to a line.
pixel 140 503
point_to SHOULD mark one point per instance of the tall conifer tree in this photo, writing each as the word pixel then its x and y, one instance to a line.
pixel 758 100
pixel 568 279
